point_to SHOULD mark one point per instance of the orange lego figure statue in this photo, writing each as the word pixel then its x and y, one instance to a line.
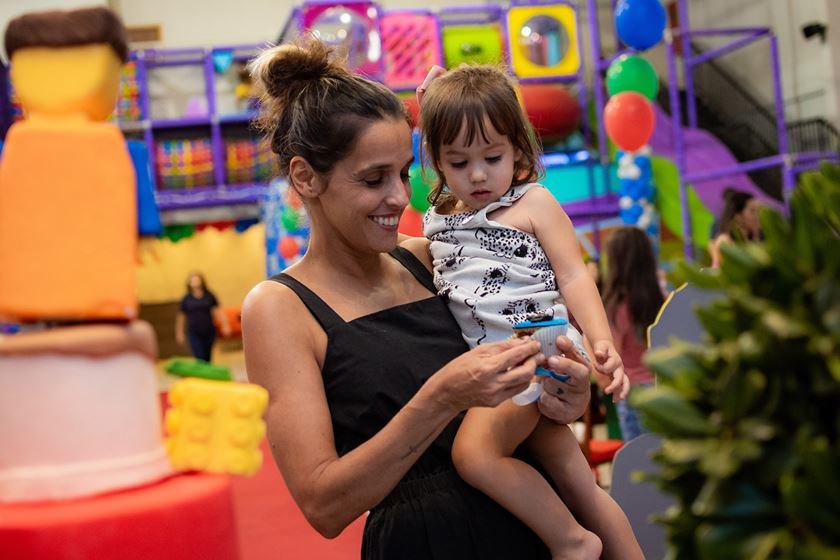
pixel 68 210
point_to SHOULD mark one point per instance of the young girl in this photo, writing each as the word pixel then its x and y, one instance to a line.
pixel 632 297
pixel 504 251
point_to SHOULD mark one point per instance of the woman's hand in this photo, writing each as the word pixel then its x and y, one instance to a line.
pixel 566 401
pixel 488 374
pixel 608 362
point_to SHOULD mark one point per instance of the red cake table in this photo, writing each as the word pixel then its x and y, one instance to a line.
pixel 182 517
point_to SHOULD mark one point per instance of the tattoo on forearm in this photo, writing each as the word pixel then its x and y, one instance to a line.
pixel 415 448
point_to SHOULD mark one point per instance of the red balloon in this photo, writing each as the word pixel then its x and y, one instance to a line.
pixel 552 109
pixel 629 119
pixel 288 247
pixel 411 223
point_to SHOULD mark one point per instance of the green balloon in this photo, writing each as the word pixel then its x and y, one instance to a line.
pixel 290 219
pixel 632 73
pixel 419 188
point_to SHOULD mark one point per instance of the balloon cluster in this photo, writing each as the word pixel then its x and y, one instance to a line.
pixel 635 189
pixel 631 80
pixel 286 226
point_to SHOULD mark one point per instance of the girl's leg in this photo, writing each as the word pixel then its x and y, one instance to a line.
pixel 482 454
pixel 557 450
pixel 628 419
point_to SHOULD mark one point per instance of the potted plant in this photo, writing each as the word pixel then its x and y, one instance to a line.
pixel 750 418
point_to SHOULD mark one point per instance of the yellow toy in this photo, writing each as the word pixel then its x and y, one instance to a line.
pixel 215 426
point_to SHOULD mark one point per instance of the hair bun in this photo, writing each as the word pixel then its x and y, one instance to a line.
pixel 285 69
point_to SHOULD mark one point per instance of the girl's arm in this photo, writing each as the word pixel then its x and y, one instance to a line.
pixel 420 247
pixel 556 235
pixel 285 356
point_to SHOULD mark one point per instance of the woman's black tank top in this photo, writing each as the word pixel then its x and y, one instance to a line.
pixel 374 364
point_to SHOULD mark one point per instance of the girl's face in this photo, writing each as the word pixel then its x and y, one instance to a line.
pixel 478 173
pixel 368 190
pixel 748 218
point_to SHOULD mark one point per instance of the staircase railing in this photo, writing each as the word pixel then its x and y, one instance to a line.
pixel 813 135
pixel 730 112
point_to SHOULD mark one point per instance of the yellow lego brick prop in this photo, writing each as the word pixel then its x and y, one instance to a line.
pixel 543 41
pixel 215 426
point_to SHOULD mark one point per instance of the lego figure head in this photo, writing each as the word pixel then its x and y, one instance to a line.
pixel 67 63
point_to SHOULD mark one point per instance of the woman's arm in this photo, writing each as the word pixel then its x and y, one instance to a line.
pixel 286 356
pixel 180 325
pixel 714 248
pixel 557 237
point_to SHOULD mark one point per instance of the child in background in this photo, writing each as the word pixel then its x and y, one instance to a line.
pixel 632 298
pixel 503 252
pixel 738 222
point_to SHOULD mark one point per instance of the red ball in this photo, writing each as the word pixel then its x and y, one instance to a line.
pixel 629 120
pixel 552 109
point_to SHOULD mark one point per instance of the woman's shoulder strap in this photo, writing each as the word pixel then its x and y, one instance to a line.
pixel 322 312
pixel 415 267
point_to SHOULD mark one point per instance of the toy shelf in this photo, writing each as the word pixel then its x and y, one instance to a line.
pixel 187 106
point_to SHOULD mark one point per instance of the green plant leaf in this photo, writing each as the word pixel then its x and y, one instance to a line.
pixel 733 541
pixel 667 412
pixel 740 392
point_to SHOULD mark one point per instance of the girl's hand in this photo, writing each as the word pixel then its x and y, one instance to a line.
pixel 434 72
pixel 608 362
pixel 488 374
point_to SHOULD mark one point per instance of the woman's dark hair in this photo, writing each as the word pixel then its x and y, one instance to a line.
pixel 59 28
pixel 632 278
pixel 471 93
pixel 734 202
pixel 311 106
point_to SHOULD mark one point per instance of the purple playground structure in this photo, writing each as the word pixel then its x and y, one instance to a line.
pixel 701 159
pixel 203 152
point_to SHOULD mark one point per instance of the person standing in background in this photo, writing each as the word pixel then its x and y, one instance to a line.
pixel 739 222
pixel 632 298
pixel 194 321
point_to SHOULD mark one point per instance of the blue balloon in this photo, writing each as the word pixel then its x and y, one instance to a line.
pixel 631 215
pixel 640 23
pixel 643 163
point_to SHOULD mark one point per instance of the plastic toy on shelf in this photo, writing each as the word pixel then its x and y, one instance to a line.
pixel 183 104
pixel 184 164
